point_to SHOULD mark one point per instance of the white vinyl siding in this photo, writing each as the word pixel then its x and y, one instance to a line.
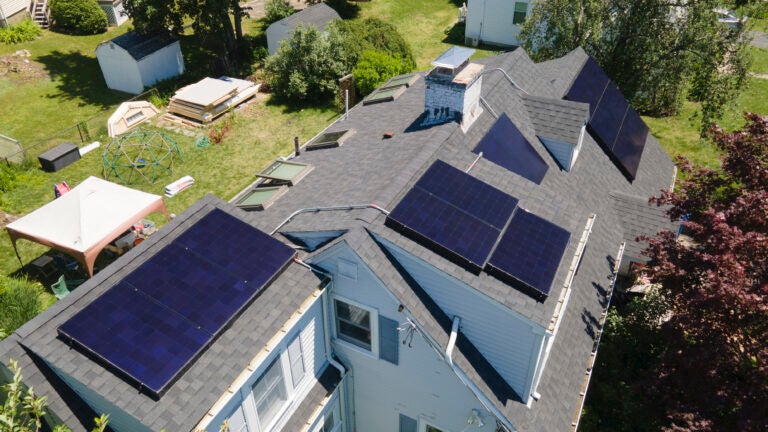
pixel 561 151
pixel 12 7
pixel 237 421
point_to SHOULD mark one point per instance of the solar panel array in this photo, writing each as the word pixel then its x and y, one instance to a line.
pixel 612 121
pixel 506 146
pixel 153 324
pixel 480 228
pixel 529 253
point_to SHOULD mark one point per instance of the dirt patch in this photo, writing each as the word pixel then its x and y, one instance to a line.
pixel 19 67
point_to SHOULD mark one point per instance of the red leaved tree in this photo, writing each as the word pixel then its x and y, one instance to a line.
pixel 714 376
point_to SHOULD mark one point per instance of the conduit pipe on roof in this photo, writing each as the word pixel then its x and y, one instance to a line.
pixel 506 75
pixel 452 340
pixel 329 208
pixel 472 165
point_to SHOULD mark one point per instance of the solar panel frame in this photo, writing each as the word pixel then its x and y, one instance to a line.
pixel 200 282
pixel 607 120
pixel 630 143
pixel 529 254
pixel 589 85
pixel 506 146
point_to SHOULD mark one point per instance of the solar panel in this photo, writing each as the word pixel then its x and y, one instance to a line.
pixel 449 231
pixel 505 146
pixel 529 253
pixel 606 122
pixel 589 85
pixel 155 322
pixel 631 142
pixel 473 196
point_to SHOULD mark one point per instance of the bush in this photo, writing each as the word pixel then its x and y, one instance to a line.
pixel 277 9
pixel 373 34
pixel 78 16
pixel 373 69
pixel 25 31
pixel 19 301
pixel 306 67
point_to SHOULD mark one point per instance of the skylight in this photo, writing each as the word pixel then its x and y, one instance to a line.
pixel 259 198
pixel 330 140
pixel 285 172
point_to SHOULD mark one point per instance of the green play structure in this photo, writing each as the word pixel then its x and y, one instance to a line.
pixel 140 154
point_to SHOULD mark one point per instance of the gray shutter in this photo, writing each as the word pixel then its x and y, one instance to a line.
pixel 407 424
pixel 388 340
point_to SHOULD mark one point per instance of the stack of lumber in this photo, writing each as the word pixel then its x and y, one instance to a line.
pixel 205 100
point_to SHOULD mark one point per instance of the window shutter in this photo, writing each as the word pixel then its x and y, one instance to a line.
pixel 296 359
pixel 388 340
pixel 407 424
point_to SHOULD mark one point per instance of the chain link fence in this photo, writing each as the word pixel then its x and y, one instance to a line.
pixel 84 132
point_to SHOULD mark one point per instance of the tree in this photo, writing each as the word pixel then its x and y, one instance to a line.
pixel 373 69
pixel 78 16
pixel 652 49
pixel 22 411
pixel 714 374
pixel 306 67
pixel 371 34
pixel 278 9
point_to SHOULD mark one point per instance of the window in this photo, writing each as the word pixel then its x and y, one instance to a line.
pixel 269 393
pixel 431 428
pixel 296 359
pixel 353 324
pixel 133 118
pixel 237 421
pixel 329 423
pixel 521 10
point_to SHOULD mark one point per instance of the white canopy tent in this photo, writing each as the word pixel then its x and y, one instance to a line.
pixel 83 221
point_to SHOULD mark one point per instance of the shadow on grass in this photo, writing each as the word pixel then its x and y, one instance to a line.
pixel 345 8
pixel 288 106
pixel 78 76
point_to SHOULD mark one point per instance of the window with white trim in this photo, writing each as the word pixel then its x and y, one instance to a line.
pixel 296 360
pixel 269 393
pixel 353 324
pixel 521 12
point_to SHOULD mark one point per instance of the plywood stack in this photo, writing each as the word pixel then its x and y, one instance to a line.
pixel 207 99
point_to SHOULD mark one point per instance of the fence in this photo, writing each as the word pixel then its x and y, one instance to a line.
pixel 86 131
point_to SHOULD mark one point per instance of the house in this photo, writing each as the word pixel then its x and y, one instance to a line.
pixel 439 259
pixel 495 22
pixel 13 11
pixel 115 11
pixel 318 15
pixel 133 61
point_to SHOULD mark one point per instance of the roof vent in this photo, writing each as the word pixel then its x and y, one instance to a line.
pixel 453 89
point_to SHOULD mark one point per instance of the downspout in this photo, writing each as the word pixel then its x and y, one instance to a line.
pixel 345 412
pixel 452 340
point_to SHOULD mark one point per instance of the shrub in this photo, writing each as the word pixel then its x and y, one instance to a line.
pixel 78 16
pixel 277 9
pixel 24 31
pixel 373 34
pixel 373 69
pixel 19 301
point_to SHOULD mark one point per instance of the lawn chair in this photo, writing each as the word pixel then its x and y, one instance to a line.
pixel 61 288
pixel 65 263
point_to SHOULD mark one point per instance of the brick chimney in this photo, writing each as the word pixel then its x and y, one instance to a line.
pixel 453 89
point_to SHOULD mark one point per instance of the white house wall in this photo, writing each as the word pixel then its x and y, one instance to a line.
pixel 164 63
pixel 119 69
pixel 421 386
pixel 313 347
pixel 509 341
pixel 9 8
pixel 490 21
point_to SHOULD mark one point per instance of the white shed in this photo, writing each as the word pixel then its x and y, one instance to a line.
pixel 318 15
pixel 495 22
pixel 12 11
pixel 133 61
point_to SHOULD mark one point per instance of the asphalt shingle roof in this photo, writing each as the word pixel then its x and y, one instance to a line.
pixel 141 45
pixel 318 15
pixel 369 169
pixel 639 217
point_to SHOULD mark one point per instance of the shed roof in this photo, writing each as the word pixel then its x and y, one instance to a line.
pixel 318 15
pixel 141 45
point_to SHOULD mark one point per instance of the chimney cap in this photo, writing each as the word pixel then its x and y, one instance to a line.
pixel 453 58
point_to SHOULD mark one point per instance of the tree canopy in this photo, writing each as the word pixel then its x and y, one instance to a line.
pixel 714 374
pixel 656 51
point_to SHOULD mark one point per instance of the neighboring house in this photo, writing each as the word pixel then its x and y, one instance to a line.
pixel 115 11
pixel 318 15
pixel 133 61
pixel 13 11
pixel 400 280
pixel 495 22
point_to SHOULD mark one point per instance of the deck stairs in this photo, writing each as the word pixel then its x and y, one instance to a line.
pixel 40 13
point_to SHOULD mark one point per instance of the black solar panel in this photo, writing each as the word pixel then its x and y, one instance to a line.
pixel 631 142
pixel 473 196
pixel 155 322
pixel 447 230
pixel 589 85
pixel 613 122
pixel 454 214
pixel 505 146
pixel 529 253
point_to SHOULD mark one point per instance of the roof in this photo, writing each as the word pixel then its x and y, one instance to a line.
pixel 318 15
pixel 182 407
pixel 141 45
pixel 371 169
pixel 639 218
pixel 85 219
pixel 557 119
